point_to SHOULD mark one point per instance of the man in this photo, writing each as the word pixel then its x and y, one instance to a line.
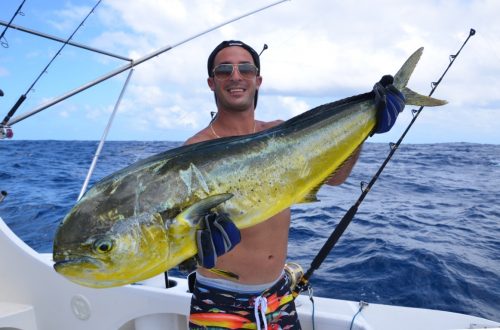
pixel 241 276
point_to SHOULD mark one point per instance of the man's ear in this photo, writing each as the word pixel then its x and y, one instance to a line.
pixel 258 81
pixel 211 83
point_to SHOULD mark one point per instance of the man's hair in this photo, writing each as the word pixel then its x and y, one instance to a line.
pixel 230 43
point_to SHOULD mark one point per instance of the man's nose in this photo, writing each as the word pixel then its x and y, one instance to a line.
pixel 236 75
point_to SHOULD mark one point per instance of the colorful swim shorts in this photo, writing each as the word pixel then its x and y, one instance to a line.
pixel 215 308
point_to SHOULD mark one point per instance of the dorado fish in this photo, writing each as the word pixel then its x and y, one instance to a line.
pixel 142 220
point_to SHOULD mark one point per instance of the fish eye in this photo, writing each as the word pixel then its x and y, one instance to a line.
pixel 103 245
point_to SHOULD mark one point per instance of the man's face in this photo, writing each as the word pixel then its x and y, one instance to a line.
pixel 236 93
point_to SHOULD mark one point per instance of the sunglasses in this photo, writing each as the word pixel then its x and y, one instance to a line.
pixel 225 71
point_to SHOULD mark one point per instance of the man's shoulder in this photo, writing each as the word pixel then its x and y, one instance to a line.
pixel 201 136
pixel 269 124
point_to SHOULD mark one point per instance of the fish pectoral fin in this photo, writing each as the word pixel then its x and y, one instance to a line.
pixel 414 98
pixel 194 212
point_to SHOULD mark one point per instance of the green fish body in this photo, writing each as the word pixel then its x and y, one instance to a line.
pixel 142 220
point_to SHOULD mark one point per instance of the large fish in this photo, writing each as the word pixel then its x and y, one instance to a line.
pixel 141 220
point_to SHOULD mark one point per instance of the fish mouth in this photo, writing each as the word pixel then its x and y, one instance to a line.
pixel 71 263
pixel 87 271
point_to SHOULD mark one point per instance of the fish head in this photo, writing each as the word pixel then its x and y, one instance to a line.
pixel 110 249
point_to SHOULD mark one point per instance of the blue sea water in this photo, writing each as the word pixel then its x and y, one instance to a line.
pixel 427 235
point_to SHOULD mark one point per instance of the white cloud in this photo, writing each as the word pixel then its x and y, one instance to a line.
pixel 318 51
pixel 294 106
pixel 68 18
pixel 172 117
pixel 315 48
pixel 64 114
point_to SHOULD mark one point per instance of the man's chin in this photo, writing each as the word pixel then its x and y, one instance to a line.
pixel 238 105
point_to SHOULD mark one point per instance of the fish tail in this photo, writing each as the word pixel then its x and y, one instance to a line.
pixel 415 98
pixel 403 76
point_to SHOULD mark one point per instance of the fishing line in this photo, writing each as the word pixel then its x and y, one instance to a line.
pixel 23 97
pixel 341 227
pixel 135 63
pixel 5 44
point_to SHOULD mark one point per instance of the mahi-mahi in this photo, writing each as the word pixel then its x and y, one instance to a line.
pixel 142 220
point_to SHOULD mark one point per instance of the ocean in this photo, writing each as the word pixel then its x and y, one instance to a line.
pixel 427 235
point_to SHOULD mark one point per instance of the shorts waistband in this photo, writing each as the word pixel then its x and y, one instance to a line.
pixel 228 285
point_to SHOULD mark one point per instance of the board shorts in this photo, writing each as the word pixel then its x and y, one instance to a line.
pixel 215 307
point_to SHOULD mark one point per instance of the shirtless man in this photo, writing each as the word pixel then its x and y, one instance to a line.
pixel 258 256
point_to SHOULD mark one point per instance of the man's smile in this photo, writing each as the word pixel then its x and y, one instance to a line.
pixel 236 90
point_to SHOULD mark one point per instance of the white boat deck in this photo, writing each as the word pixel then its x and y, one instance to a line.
pixel 34 297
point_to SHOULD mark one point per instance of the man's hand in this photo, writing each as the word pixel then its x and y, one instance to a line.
pixel 217 235
pixel 389 102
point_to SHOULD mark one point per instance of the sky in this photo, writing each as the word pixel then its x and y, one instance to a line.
pixel 318 51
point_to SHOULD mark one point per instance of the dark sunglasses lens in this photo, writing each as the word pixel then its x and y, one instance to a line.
pixel 223 71
pixel 247 70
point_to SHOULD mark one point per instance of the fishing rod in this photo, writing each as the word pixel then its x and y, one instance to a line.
pixel 18 12
pixel 346 219
pixel 133 64
pixel 54 38
pixel 23 97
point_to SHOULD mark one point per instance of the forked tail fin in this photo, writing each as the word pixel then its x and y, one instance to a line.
pixel 403 76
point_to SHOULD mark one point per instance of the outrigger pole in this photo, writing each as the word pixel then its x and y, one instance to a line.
pixel 131 65
pixel 346 219
pixel 104 135
pixel 72 43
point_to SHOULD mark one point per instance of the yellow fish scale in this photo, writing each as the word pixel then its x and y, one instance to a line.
pixel 283 172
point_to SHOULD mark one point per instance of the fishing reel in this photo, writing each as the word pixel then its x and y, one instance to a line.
pixel 295 273
pixel 6 132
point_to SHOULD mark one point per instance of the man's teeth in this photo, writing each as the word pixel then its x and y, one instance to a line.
pixel 232 90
